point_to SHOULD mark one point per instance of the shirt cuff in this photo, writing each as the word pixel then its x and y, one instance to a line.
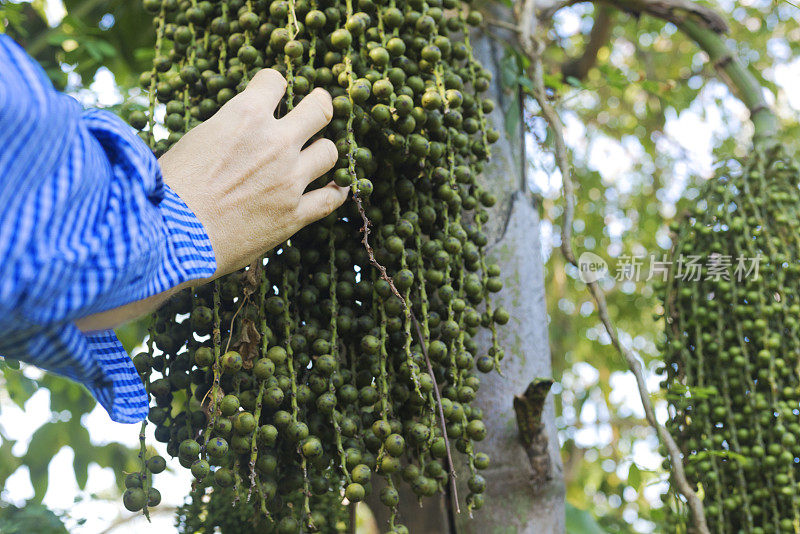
pixel 189 252
pixel 119 390
pixel 187 255
pixel 117 386
pixel 97 359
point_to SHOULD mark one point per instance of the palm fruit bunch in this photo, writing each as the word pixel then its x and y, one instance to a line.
pixel 346 359
pixel 732 350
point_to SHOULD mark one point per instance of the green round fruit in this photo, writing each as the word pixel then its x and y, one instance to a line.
pixel 133 480
pixel 341 39
pixel 361 474
pixel 311 447
pixel 395 445
pixel 263 369
pixel 223 477
pixel 134 499
pixel 153 497
pixel 204 357
pixel 277 355
pixel 267 435
pixel 217 447
pixel 231 361
pixel 189 448
pixel 229 405
pixel 156 464
pixel 244 423
pixel 354 492
pixel 200 469
pixel 389 497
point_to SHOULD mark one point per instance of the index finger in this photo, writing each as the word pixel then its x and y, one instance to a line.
pixel 311 115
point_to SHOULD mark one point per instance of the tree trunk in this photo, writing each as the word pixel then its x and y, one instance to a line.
pixel 519 499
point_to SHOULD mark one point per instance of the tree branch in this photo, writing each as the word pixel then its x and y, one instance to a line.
pixel 562 159
pixel 580 66
pixel 526 21
pixel 741 81
pixel 675 11
pixel 533 47
pixel 501 24
pixel 704 26
pixel 547 13
pixel 123 519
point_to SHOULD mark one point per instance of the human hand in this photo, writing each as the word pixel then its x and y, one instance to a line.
pixel 243 173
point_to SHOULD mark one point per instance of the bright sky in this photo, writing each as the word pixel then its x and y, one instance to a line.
pixel 689 133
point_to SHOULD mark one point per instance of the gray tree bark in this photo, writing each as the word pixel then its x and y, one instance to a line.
pixel 518 499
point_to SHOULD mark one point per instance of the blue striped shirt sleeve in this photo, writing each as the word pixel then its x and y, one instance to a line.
pixel 87 224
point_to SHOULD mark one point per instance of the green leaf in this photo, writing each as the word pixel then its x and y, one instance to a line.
pixel 132 334
pixel 80 465
pixel 81 445
pixel 581 522
pixel 93 50
pixel 57 39
pixel 634 476
pixel 12 14
pixel 105 48
pixel 118 457
pixel 575 82
pixel 554 81
pixel 144 54
pixel 45 444
pixel 702 455
pixel 525 83
pixel 68 395
pixel 509 69
pixel 19 387
pixel 679 390
pixel 512 117
pixel 31 518
pixel 8 462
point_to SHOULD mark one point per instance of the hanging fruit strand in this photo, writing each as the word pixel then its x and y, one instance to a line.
pixel 320 384
pixel 153 78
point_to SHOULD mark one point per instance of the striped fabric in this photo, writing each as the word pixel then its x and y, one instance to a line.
pixel 86 225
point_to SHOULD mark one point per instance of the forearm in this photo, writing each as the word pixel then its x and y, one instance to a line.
pixel 118 316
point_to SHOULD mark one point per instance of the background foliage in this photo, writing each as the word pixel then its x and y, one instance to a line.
pixel 634 173
pixel 626 122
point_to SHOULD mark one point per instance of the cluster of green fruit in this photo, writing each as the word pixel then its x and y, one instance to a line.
pixel 732 351
pixel 302 382
pixel 138 492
